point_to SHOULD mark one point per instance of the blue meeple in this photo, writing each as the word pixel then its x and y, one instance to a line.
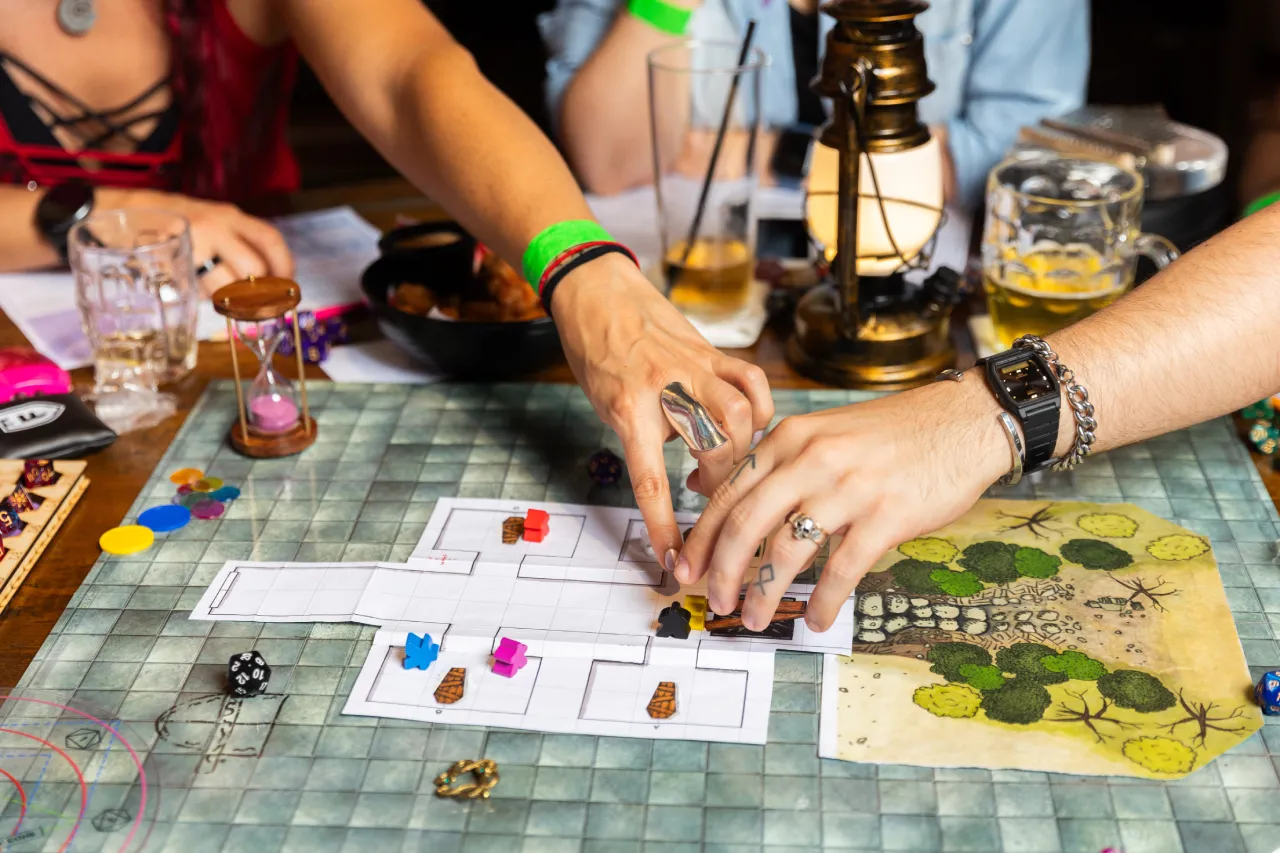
pixel 420 652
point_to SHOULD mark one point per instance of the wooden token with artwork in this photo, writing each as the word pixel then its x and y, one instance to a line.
pixel 451 686
pixel 663 703
pixel 512 530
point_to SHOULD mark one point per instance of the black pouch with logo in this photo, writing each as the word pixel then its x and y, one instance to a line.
pixel 55 427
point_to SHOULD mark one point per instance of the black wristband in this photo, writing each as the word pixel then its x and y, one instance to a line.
pixel 1027 387
pixel 583 257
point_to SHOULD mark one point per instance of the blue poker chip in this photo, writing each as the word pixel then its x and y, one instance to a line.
pixel 162 519
pixel 224 494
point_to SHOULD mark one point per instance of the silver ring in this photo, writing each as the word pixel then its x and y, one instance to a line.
pixel 804 527
pixel 691 419
pixel 208 266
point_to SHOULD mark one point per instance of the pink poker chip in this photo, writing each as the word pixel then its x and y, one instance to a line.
pixel 207 509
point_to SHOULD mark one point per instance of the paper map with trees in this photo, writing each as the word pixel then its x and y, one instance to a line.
pixel 1056 636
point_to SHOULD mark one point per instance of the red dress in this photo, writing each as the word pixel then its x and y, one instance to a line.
pixel 239 79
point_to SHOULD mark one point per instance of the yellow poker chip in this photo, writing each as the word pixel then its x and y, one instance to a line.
pixel 208 484
pixel 183 476
pixel 129 539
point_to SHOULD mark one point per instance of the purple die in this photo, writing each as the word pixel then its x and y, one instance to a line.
pixel 1268 693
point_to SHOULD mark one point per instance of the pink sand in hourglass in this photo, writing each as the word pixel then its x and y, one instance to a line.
pixel 273 414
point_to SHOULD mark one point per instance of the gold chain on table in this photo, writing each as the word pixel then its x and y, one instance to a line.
pixel 1077 397
pixel 484 773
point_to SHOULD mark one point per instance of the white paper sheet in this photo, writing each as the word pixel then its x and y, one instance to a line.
pixel 584 601
pixel 330 248
pixel 376 361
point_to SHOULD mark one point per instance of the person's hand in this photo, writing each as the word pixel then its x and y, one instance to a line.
pixel 878 473
pixel 625 343
pixel 239 245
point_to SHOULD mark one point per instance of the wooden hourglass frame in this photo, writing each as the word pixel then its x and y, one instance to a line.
pixel 266 432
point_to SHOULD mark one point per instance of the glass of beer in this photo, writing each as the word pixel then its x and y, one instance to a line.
pixel 1061 241
pixel 704 109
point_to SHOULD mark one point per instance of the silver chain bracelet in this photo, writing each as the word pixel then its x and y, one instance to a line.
pixel 1077 398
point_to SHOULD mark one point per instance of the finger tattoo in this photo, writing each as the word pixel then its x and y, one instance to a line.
pixel 749 461
pixel 764 576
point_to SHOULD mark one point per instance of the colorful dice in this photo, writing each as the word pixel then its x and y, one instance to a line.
pixel 1268 693
pixel 604 467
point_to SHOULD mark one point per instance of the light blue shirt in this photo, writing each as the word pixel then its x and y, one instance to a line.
pixel 999 65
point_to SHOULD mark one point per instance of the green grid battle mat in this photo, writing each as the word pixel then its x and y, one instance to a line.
pixel 294 774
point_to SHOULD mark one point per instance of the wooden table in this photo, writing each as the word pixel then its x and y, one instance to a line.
pixel 118 473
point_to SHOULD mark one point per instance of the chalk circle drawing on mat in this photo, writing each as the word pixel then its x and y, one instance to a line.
pixel 113 797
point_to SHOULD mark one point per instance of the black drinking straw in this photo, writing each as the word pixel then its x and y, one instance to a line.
pixel 715 152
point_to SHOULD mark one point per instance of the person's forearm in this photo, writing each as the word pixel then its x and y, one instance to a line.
pixel 474 151
pixel 604 114
pixel 1195 342
pixel 21 245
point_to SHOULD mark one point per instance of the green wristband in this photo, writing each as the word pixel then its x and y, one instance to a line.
pixel 552 241
pixel 1261 202
pixel 660 15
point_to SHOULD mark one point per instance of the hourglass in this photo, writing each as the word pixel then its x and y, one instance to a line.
pixel 273 416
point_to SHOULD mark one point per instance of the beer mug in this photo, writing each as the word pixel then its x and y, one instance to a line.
pixel 1061 241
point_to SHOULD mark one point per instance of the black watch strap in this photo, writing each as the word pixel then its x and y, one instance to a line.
pixel 59 210
pixel 1027 387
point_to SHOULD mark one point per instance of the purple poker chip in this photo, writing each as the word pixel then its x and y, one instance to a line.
pixel 208 509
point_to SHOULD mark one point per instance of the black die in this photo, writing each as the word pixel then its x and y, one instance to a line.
pixel 247 674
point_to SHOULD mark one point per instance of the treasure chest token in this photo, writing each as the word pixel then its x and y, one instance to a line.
pixel 512 530
pixel 451 686
pixel 21 500
pixel 10 523
pixel 663 704
pixel 38 472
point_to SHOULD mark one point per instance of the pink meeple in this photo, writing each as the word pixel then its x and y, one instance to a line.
pixel 508 658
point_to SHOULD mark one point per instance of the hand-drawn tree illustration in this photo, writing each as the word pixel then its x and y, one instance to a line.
pixel 1129 688
pixel 1039 522
pixel 992 562
pixel 1201 716
pixel 1096 554
pixel 1178 547
pixel 949 658
pixel 1018 701
pixel 1110 525
pixel 958 701
pixel 1066 713
pixel 1026 662
pixel 929 550
pixel 1034 563
pixel 958 584
pixel 1139 587
pixel 1076 666
pixel 1160 754
pixel 984 678
pixel 914 576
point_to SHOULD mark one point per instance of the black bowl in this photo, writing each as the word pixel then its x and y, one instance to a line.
pixel 457 348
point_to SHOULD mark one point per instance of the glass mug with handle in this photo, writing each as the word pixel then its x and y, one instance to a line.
pixel 1061 241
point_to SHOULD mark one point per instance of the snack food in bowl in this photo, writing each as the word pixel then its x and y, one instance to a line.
pixel 505 298
pixel 457 306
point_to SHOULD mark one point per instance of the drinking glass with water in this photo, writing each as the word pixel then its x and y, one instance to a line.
pixel 138 297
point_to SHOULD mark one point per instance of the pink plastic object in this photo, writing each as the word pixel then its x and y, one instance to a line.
pixel 207 509
pixel 508 658
pixel 26 373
